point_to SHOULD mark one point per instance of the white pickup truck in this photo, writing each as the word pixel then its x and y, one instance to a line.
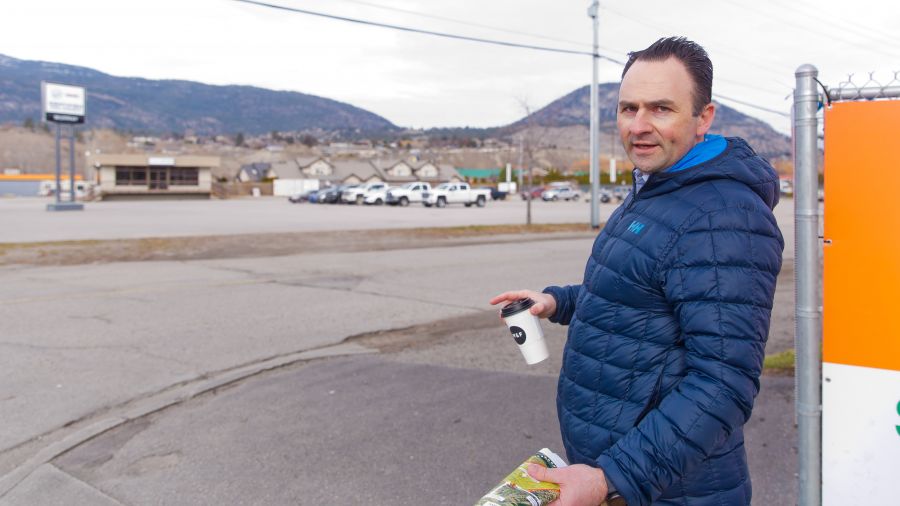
pixel 361 193
pixel 455 193
pixel 410 192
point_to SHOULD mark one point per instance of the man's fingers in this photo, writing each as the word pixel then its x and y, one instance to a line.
pixel 541 473
pixel 537 309
pixel 508 296
pixel 500 298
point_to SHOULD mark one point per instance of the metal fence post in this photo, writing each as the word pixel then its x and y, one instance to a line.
pixel 808 287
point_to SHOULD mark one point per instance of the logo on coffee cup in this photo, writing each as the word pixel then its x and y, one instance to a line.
pixel 518 334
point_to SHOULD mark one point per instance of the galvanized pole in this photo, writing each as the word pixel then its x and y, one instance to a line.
pixel 72 164
pixel 808 287
pixel 593 12
pixel 58 165
pixel 530 179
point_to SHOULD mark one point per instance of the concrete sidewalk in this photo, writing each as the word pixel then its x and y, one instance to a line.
pixel 356 430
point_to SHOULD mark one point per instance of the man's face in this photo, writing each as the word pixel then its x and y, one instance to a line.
pixel 655 114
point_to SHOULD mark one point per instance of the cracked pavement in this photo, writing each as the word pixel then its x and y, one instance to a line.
pixel 165 323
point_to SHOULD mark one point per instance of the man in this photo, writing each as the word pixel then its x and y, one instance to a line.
pixel 667 331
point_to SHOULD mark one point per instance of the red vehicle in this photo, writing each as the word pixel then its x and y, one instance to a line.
pixel 535 193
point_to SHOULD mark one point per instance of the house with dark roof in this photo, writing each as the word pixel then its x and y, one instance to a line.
pixel 255 172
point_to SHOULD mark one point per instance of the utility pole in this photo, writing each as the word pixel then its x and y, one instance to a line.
pixel 594 14
pixel 530 186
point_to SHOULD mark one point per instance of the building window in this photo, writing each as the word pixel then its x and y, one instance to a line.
pixel 131 176
pixel 179 176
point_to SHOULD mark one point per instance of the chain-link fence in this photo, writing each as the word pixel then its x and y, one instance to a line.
pixel 808 100
pixel 882 87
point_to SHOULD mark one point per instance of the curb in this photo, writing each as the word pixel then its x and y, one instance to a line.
pixel 164 400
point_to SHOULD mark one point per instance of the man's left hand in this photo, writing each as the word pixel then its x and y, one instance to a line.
pixel 579 485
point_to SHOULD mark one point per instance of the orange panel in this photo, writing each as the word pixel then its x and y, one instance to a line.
pixel 861 324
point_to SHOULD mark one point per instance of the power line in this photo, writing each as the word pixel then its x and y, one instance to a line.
pixel 467 23
pixel 466 38
pixel 860 30
pixel 807 29
pixel 748 104
pixel 662 29
pixel 867 29
pixel 426 32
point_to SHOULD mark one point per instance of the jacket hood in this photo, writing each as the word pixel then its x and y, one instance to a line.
pixel 737 162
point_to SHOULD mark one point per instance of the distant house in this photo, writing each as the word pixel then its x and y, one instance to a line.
pixel 402 171
pixel 427 170
pixel 348 171
pixel 154 176
pixel 355 172
pixel 255 172
pixel 285 169
pixel 395 171
pixel 315 167
pixel 447 172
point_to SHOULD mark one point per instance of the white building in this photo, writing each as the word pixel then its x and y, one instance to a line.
pixel 150 176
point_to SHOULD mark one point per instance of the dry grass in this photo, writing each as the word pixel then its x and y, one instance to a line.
pixel 270 244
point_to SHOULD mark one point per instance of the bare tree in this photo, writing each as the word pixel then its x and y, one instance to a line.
pixel 529 139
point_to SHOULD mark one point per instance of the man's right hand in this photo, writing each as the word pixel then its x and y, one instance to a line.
pixel 544 307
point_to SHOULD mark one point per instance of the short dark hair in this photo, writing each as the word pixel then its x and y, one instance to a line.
pixel 691 55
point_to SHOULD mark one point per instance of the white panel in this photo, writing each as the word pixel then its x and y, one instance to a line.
pixel 860 435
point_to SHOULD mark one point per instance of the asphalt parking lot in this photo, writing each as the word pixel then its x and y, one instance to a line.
pixel 26 220
pixel 270 380
pixel 133 219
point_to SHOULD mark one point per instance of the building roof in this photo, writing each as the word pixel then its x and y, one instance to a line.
pixel 476 173
pixel 447 172
pixel 256 171
pixel 359 168
pixel 287 169
pixel 305 161
pixel 146 160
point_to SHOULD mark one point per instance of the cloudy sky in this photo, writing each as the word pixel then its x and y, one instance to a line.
pixel 423 81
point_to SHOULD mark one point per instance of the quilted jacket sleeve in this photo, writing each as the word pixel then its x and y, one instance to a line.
pixel 719 277
pixel 565 302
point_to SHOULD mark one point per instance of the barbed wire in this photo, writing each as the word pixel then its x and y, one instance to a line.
pixel 871 89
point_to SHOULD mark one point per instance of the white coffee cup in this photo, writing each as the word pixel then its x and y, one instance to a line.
pixel 526 330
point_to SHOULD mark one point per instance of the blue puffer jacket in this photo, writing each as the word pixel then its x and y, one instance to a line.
pixel 668 330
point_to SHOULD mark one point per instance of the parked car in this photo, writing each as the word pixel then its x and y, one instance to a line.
pixel 534 192
pixel 313 196
pixel 786 187
pixel 357 194
pixel 620 192
pixel 455 193
pixel 300 197
pixel 332 194
pixel 376 196
pixel 496 194
pixel 560 193
pixel 410 192
pixel 605 196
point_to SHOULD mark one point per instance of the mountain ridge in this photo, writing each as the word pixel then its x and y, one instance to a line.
pixel 177 106
pixel 173 105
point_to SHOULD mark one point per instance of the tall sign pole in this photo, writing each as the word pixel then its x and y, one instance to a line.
pixel 593 12
pixel 62 103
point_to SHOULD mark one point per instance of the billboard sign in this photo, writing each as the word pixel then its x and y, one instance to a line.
pixel 860 323
pixel 62 103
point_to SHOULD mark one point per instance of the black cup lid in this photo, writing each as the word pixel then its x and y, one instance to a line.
pixel 516 307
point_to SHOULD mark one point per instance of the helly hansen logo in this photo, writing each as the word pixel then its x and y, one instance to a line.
pixel 635 227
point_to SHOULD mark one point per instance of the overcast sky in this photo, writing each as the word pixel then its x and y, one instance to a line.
pixel 423 81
